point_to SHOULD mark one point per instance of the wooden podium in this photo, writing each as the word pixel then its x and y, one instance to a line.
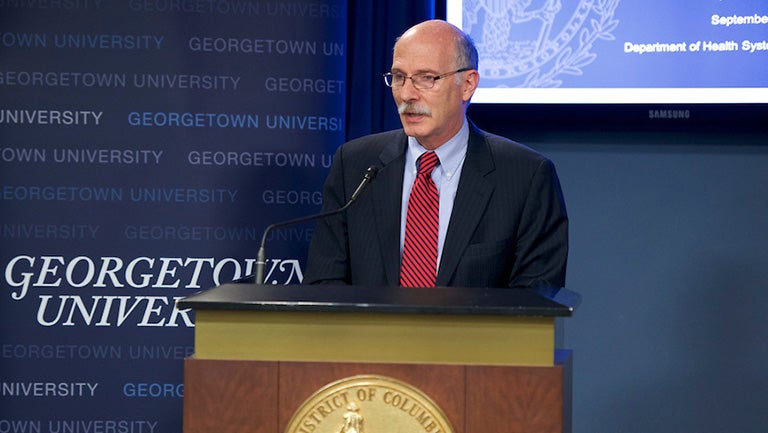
pixel 485 357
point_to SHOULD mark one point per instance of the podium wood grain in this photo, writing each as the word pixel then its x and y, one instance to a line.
pixel 230 396
pixel 261 396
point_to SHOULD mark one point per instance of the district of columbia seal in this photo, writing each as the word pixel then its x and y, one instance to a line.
pixel 369 404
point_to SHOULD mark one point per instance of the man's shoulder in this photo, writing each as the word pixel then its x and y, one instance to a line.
pixel 380 137
pixel 373 145
pixel 503 147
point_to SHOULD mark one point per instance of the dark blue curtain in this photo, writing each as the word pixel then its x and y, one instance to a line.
pixel 373 27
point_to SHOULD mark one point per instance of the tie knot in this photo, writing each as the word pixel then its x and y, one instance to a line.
pixel 427 162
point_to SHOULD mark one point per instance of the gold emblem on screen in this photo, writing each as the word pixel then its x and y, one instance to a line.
pixel 369 404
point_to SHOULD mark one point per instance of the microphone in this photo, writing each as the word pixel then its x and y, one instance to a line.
pixel 261 256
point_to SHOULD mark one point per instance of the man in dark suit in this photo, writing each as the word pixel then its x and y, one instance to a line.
pixel 502 217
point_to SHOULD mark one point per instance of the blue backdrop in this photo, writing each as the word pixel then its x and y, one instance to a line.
pixel 145 146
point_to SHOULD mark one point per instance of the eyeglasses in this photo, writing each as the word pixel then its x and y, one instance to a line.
pixel 420 81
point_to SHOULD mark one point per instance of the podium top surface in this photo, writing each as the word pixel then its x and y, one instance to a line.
pixel 356 299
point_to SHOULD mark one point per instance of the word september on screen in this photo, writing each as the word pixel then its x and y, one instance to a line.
pixel 618 51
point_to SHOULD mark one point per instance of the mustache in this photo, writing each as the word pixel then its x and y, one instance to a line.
pixel 405 107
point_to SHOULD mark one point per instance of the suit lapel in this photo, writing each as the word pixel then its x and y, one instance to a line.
pixel 472 196
pixel 388 191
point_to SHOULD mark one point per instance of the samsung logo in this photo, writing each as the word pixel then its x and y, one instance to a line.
pixel 669 114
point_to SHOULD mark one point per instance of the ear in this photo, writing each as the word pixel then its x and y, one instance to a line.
pixel 471 79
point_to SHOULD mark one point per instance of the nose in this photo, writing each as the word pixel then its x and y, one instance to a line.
pixel 407 92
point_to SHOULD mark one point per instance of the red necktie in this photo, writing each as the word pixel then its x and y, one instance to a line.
pixel 419 264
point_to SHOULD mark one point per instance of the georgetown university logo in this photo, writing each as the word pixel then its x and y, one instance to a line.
pixel 532 43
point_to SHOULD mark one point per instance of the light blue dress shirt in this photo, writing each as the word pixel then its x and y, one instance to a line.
pixel 446 178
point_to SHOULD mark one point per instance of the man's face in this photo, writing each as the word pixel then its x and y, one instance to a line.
pixel 433 115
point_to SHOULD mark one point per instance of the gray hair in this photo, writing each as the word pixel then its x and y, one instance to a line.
pixel 466 52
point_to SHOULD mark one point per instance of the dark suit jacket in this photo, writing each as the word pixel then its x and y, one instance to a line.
pixel 508 227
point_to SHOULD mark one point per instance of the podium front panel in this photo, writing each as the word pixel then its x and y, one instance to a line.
pixel 355 337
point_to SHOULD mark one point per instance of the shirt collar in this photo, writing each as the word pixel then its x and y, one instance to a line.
pixel 451 153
